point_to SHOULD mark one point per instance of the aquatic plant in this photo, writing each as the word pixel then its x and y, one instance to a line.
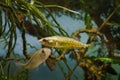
pixel 101 19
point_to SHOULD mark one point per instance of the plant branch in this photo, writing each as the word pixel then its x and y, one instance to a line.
pixel 90 31
pixel 62 55
pixel 24 42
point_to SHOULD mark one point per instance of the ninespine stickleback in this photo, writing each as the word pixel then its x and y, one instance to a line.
pixel 62 42
pixel 36 59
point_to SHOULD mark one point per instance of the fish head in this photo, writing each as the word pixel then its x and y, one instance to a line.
pixel 45 53
pixel 48 41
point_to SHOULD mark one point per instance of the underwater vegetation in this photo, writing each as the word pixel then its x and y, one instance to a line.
pixel 98 57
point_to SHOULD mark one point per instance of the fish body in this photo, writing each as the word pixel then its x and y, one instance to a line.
pixel 37 58
pixel 62 42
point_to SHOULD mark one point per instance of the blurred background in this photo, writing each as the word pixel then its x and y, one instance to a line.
pixel 23 23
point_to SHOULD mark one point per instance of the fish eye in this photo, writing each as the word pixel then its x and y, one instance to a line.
pixel 43 51
pixel 43 54
pixel 45 40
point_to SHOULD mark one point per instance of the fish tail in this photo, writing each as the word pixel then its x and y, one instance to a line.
pixel 19 65
pixel 17 72
pixel 88 45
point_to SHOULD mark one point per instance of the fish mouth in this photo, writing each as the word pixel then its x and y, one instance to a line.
pixel 40 41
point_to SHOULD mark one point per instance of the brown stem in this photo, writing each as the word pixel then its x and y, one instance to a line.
pixel 24 42
pixel 9 46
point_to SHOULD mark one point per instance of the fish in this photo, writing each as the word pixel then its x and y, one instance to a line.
pixel 62 42
pixel 36 59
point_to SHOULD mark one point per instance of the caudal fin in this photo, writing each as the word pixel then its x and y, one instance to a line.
pixel 19 66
